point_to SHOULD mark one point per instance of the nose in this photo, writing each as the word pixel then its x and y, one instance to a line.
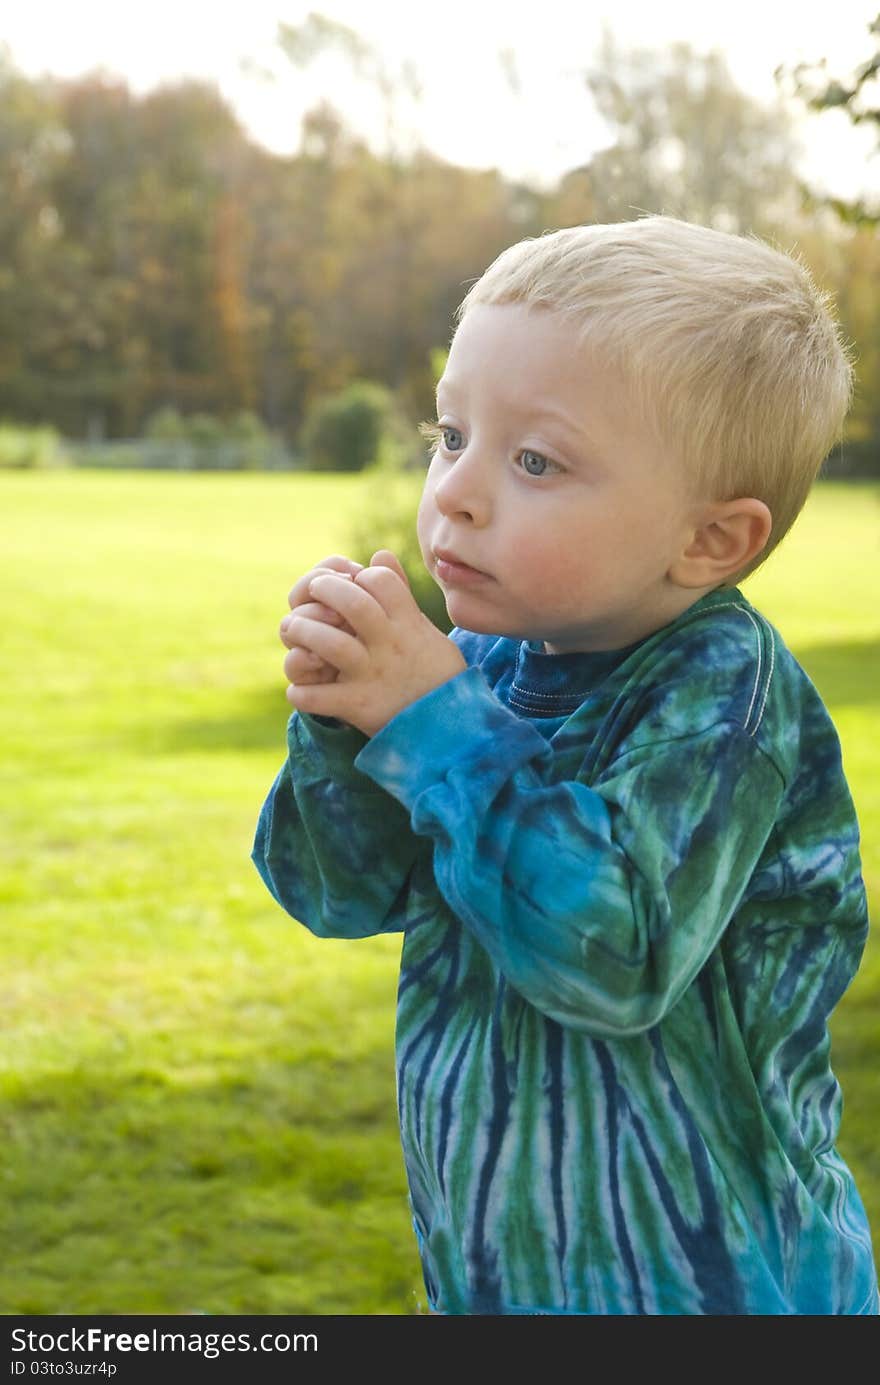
pixel 464 489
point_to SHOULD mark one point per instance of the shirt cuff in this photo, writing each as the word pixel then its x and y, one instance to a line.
pixel 460 721
pixel 326 744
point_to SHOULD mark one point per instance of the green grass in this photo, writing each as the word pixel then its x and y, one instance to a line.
pixel 197 1096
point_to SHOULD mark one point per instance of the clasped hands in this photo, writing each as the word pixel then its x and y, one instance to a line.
pixel 360 648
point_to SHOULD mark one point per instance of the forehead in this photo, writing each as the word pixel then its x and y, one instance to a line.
pixel 516 364
pixel 514 339
pixel 518 356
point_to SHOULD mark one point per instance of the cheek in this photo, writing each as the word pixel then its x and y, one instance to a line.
pixel 425 520
pixel 541 571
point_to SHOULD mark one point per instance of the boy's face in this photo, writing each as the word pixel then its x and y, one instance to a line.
pixel 560 503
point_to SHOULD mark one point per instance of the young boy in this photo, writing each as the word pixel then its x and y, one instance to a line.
pixel 608 811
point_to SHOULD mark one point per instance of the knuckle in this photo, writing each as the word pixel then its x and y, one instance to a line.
pixel 299 632
pixel 315 610
pixel 371 577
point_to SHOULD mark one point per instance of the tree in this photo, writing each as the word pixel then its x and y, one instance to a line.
pixel 346 431
pixel 33 142
pixel 686 141
pixel 859 97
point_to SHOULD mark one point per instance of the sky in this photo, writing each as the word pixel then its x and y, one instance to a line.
pixel 468 111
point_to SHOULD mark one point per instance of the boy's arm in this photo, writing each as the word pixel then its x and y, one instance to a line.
pixel 600 904
pixel 332 846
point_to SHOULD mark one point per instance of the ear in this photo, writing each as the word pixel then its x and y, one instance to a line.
pixel 727 535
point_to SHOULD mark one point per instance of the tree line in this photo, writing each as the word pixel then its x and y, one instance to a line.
pixel 155 257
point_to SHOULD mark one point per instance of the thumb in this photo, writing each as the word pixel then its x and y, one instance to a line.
pixel 385 558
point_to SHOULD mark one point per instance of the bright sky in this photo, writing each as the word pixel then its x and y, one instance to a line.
pixel 467 111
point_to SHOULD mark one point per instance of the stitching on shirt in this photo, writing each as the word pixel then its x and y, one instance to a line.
pixel 518 692
pixel 760 661
pixel 769 677
pixel 550 697
pixel 561 709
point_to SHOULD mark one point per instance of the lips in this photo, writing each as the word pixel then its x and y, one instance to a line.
pixel 452 568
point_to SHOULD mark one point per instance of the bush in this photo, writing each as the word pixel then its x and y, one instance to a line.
pixel 166 425
pixel 256 444
pixel 203 441
pixel 357 427
pixel 855 459
pixel 389 517
pixel 26 448
pixel 388 520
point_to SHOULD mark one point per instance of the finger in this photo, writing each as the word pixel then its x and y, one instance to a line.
pixel 390 591
pixel 362 611
pixel 343 651
pixel 383 557
pixel 315 677
pixel 335 563
pixel 304 666
pixel 299 594
pixel 315 610
pixel 319 700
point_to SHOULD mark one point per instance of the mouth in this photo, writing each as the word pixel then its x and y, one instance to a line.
pixel 452 571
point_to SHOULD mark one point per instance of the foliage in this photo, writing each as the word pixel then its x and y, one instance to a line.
pixel 388 515
pixel 438 357
pixel 22 447
pixel 166 425
pixel 857 459
pixel 203 441
pixel 355 427
pixel 158 254
pixel 387 519
pixel 855 96
pixel 859 97
pixel 198 1109
pixel 687 142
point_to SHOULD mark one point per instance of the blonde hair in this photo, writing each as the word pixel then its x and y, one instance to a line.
pixel 725 343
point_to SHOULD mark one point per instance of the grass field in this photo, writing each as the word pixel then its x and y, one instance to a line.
pixel 197 1096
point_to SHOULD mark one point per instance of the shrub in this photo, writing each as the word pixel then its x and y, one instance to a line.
pixel 202 441
pixel 356 427
pixel 166 425
pixel 26 448
pixel 388 520
pixel 389 516
pixel 853 459
pixel 256 444
pixel 205 430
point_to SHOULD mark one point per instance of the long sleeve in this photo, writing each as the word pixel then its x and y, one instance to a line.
pixel 333 847
pixel 599 903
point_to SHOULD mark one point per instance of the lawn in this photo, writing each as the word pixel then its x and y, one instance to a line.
pixel 198 1107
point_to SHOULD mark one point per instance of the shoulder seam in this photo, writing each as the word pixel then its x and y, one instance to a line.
pixel 759 660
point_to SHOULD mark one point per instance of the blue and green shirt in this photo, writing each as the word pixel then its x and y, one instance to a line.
pixel 630 894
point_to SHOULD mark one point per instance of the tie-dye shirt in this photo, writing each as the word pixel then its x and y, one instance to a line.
pixel 630 894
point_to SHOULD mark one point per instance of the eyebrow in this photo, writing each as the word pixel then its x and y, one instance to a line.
pixel 562 419
pixel 557 416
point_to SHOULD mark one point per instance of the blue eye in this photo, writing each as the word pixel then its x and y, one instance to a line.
pixel 452 433
pixel 534 464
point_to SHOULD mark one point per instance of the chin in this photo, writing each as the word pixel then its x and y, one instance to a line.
pixel 466 616
pixel 485 625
